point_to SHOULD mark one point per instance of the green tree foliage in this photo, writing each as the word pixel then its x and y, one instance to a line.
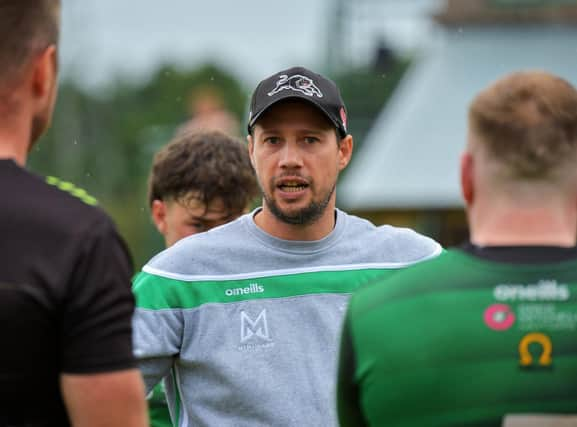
pixel 366 92
pixel 105 142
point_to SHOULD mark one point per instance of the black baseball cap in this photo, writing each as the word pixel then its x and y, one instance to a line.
pixel 300 83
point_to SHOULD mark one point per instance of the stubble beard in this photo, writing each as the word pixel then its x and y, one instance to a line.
pixel 305 216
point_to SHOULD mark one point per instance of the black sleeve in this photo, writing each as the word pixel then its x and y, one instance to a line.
pixel 348 395
pixel 96 320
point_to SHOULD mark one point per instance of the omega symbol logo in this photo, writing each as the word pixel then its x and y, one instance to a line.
pixel 525 357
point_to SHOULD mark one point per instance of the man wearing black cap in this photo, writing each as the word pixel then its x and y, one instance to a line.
pixel 245 319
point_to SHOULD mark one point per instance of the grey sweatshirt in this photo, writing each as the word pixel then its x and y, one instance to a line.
pixel 246 326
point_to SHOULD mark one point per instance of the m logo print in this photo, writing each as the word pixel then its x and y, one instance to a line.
pixel 298 83
pixel 250 328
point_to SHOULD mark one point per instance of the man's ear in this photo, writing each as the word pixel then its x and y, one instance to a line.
pixel 44 76
pixel 42 86
pixel 250 140
pixel 467 178
pixel 345 151
pixel 158 212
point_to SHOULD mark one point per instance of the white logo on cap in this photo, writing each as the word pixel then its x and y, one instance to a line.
pixel 298 83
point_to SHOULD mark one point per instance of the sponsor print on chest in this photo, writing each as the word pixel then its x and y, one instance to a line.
pixel 253 323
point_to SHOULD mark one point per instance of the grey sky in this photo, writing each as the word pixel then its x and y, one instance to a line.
pixel 253 38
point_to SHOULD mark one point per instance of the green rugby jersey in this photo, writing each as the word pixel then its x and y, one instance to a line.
pixel 476 337
pixel 245 326
pixel 158 413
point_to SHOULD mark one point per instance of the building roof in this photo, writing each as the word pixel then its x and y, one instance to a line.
pixel 507 12
pixel 410 158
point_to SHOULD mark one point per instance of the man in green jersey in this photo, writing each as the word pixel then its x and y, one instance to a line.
pixel 198 181
pixel 483 335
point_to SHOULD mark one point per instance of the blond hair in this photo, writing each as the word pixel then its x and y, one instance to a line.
pixel 527 123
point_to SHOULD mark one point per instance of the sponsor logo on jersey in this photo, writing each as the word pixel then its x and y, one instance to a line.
pixel 253 288
pixel 544 290
pixel 499 317
pixel 526 359
pixel 297 83
pixel 254 332
pixel 546 316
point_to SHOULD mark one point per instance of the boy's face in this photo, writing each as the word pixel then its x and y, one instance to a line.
pixel 176 219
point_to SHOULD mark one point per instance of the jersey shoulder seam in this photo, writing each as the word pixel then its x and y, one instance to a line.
pixel 72 189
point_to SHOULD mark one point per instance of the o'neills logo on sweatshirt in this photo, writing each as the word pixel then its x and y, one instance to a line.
pixel 253 288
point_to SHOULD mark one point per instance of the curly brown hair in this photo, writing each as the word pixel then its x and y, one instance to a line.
pixel 206 166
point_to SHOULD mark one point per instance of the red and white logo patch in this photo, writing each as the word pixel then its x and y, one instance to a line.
pixel 499 317
pixel 344 117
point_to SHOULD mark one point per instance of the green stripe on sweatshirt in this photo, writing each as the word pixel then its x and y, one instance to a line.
pixel 156 292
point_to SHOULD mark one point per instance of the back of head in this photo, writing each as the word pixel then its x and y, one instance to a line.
pixel 526 125
pixel 205 166
pixel 26 28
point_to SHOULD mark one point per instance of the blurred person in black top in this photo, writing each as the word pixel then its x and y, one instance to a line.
pixel 65 298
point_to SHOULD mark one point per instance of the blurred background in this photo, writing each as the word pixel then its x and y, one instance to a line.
pixel 137 71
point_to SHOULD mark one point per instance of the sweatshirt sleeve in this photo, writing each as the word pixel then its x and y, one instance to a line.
pixel 158 328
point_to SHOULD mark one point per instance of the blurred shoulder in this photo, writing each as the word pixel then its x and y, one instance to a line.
pixel 196 252
pixel 74 207
pixel 50 205
pixel 435 274
pixel 395 244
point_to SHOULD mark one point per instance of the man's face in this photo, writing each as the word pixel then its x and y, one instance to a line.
pixel 297 160
pixel 176 219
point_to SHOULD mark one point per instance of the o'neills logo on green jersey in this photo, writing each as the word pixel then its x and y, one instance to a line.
pixel 544 290
pixel 253 288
